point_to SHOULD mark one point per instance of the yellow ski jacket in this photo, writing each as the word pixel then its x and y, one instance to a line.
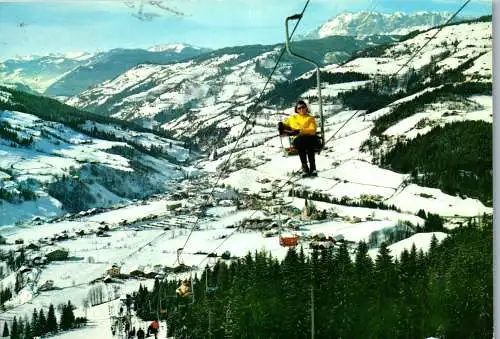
pixel 306 124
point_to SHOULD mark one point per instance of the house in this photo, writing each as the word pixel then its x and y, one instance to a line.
pixel 57 254
pixel 226 203
pixel 33 246
pixel 173 206
pixel 38 260
pixel 338 237
pixel 152 272
pixel 102 234
pixel 113 271
pixel 48 285
pixel 136 273
pixel 24 269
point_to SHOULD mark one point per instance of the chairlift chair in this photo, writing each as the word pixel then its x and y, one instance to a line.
pixel 321 135
pixel 286 241
pixel 290 150
pixel 289 241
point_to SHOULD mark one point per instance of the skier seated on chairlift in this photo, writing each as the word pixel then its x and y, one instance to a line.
pixel 140 333
pixel 303 127
pixel 153 328
pixel 183 290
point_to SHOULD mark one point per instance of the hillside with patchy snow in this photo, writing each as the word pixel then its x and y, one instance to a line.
pixel 225 78
pixel 48 168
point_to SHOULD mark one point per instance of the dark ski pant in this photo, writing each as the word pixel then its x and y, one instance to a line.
pixel 305 147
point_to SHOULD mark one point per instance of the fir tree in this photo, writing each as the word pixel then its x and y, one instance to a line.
pixel 20 327
pixel 51 320
pixel 5 330
pixel 385 276
pixel 343 293
pixel 364 285
pixel 28 333
pixel 14 332
pixel 35 324
pixel 67 317
pixel 42 322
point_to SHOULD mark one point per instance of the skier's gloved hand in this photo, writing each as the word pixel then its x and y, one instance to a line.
pixel 281 127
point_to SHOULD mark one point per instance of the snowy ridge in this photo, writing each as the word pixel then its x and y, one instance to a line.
pixel 369 23
pixel 175 48
pixel 454 46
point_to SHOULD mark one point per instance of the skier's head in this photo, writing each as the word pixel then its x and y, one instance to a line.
pixel 301 107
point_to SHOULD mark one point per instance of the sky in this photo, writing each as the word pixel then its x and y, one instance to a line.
pixel 42 27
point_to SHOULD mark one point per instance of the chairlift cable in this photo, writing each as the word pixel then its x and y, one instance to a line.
pixel 239 137
pixel 435 34
pixel 409 60
pixel 289 180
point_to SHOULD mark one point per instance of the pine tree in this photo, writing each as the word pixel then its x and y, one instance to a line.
pixel 63 323
pixel 342 308
pixel 14 332
pixel 20 327
pixel 42 322
pixel 28 333
pixel 71 316
pixel 5 330
pixel 385 293
pixel 35 324
pixel 363 284
pixel 51 320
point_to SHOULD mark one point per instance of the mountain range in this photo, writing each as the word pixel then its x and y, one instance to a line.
pixel 62 75
pixel 370 23
pixel 208 100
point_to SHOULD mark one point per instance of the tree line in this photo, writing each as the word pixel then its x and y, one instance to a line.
pixel 456 158
pixel 285 94
pixel 23 328
pixel 446 292
pixel 52 110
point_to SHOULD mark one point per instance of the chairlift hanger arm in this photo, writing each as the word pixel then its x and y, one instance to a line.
pixel 287 41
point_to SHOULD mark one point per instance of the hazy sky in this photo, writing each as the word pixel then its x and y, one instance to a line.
pixel 41 27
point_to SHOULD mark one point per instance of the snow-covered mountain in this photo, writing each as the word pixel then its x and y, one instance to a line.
pixel 177 48
pixel 224 81
pixel 38 72
pixel 106 66
pixel 370 23
pixel 62 75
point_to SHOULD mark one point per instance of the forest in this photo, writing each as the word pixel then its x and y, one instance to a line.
pixel 457 158
pixel 445 292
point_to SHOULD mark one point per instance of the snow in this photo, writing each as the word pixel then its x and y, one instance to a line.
pixel 177 48
pixel 144 234
pixel 422 241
